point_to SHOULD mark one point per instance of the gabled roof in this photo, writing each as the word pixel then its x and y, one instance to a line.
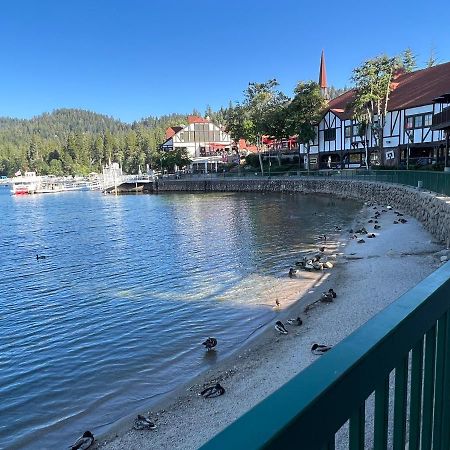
pixel 410 90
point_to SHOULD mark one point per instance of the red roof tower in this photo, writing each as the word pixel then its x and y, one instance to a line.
pixel 323 75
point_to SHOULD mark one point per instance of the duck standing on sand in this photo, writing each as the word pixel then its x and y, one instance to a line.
pixel 280 327
pixel 320 349
pixel 210 343
pixel 84 442
pixel 296 321
pixel 143 423
pixel 213 391
pixel 292 272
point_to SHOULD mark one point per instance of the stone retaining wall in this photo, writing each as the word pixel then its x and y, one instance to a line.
pixel 433 210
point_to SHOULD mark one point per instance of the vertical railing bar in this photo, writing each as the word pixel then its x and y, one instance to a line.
pixel 357 429
pixel 428 388
pixel 439 380
pixel 445 429
pixel 381 415
pixel 416 395
pixel 400 403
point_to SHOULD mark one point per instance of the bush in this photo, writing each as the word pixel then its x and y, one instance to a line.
pixel 252 159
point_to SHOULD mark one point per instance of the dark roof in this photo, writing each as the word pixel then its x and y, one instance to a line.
pixel 410 90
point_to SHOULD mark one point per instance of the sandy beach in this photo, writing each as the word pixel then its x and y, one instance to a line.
pixel 366 277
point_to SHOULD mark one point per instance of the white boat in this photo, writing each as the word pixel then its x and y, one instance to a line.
pixel 25 184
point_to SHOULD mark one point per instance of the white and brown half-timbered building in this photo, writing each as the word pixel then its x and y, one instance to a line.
pixel 207 144
pixel 408 131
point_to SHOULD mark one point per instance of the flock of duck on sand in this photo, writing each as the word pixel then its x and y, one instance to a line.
pixel 308 263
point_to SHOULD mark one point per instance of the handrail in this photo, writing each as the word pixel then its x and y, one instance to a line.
pixel 308 410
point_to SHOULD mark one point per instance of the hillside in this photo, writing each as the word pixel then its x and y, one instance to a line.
pixel 79 141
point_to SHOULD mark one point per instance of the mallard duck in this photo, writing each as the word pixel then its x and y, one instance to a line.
pixel 213 391
pixel 293 272
pixel 331 291
pixel 280 327
pixel 402 220
pixel 84 442
pixel 326 297
pixel 376 227
pixel 143 423
pixel 370 235
pixel 296 321
pixel 210 343
pixel 360 241
pixel 40 257
pixel 309 265
pixel 320 349
pixel 317 265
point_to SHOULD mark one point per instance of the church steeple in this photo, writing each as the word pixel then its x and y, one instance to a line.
pixel 323 75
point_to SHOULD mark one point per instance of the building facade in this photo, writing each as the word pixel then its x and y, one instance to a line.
pixel 408 134
pixel 206 143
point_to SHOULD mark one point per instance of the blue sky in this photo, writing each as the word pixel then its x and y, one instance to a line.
pixel 135 58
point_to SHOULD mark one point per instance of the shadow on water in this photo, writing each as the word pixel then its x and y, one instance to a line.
pixel 115 316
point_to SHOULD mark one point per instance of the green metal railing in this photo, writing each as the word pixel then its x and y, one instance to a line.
pixel 438 182
pixel 402 356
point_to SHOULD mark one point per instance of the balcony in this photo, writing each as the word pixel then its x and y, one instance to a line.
pixel 441 120
pixel 385 386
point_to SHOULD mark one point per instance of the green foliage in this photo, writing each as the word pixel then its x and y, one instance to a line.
pixel 305 111
pixel 252 160
pixel 74 141
pixel 408 60
pixel 432 60
pixel 178 157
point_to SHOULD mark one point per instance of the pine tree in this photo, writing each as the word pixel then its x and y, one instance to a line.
pixel 409 60
pixel 432 61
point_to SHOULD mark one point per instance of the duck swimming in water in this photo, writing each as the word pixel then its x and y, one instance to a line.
pixel 143 423
pixel 320 349
pixel 84 442
pixel 280 327
pixel 40 257
pixel 213 391
pixel 327 297
pixel 296 321
pixel 210 343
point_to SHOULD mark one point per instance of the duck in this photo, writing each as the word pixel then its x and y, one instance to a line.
pixel 309 265
pixel 300 264
pixel 370 235
pixel 331 291
pixel 337 228
pixel 388 207
pixel 280 327
pixel 210 343
pixel 213 391
pixel 143 423
pixel 402 220
pixel 277 303
pixel 326 297
pixel 83 442
pixel 360 241
pixel 293 272
pixel 40 257
pixel 376 227
pixel 320 349
pixel 395 222
pixel 317 265
pixel 298 321
pixel 321 249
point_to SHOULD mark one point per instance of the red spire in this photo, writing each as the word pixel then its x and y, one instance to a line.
pixel 323 72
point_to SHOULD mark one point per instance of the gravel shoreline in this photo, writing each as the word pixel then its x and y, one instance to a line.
pixel 367 277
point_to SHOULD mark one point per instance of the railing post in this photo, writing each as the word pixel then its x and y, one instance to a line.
pixel 400 402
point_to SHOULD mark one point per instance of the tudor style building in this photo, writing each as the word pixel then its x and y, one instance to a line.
pixel 206 143
pixel 408 133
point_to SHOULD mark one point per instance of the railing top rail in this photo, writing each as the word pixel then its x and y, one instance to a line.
pixel 311 407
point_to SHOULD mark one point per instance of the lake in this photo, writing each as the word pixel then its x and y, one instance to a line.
pixel 114 316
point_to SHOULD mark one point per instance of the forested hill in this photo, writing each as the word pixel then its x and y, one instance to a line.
pixel 78 141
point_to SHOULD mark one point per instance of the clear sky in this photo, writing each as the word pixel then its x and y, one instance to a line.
pixel 135 58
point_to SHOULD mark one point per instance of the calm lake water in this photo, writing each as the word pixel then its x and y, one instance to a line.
pixel 114 316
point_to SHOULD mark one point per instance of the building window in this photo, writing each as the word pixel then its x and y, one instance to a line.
pixel 418 121
pixel 348 132
pixel 181 137
pixel 330 134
